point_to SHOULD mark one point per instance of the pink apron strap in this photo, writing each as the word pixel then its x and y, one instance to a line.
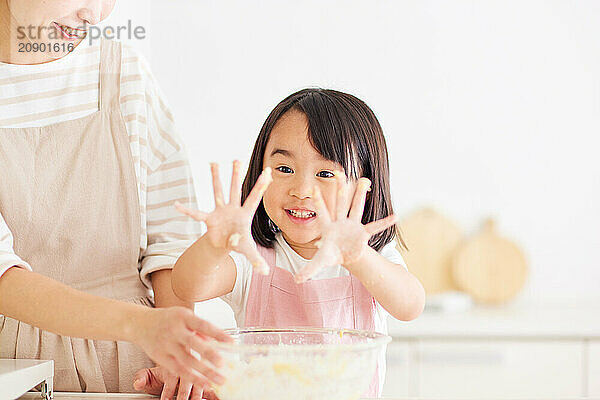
pixel 259 290
pixel 268 255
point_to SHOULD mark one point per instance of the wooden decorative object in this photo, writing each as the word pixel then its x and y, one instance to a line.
pixel 431 239
pixel 490 268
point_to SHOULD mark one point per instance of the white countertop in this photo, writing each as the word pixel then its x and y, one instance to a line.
pixel 91 396
pixel 517 320
pixel 112 396
pixel 100 396
pixel 18 376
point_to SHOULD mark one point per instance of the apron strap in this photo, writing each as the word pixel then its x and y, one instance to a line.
pixel 268 254
pixel 110 73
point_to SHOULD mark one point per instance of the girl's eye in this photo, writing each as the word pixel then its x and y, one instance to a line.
pixel 325 174
pixel 284 169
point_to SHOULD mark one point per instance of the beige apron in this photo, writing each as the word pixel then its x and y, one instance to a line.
pixel 68 193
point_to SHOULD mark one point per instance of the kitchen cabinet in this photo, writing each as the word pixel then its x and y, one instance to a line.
pixel 399 376
pixel 494 367
pixel 504 368
pixel 593 362
pixel 514 351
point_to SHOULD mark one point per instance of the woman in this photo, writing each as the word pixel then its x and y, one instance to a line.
pixel 90 168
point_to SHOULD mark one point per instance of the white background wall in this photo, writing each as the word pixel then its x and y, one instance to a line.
pixel 490 108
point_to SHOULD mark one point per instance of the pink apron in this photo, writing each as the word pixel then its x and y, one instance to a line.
pixel 277 301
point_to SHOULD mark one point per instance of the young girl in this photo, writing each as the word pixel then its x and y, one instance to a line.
pixel 319 249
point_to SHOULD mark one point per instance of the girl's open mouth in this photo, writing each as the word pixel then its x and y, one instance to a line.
pixel 70 33
pixel 301 216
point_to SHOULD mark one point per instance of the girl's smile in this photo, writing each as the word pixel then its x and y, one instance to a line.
pixel 301 215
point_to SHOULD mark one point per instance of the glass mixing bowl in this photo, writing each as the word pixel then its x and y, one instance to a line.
pixel 298 363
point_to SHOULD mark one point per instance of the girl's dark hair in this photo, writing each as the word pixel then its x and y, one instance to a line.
pixel 342 129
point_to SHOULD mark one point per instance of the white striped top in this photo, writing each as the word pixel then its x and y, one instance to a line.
pixel 67 89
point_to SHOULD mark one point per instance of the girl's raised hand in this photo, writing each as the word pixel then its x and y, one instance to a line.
pixel 228 226
pixel 344 238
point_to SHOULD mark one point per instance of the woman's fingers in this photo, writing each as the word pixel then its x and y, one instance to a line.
pixel 190 373
pixel 205 328
pixel 205 350
pixel 209 394
pixel 255 196
pixel 146 380
pixel 184 390
pixel 170 385
pixel 358 202
pixel 201 367
pixel 173 365
pixel 217 188
pixel 197 393
pixel 195 214
pixel 381 225
pixel 191 368
pixel 235 193
pixel 323 217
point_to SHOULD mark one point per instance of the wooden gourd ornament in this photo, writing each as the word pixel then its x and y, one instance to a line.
pixel 431 239
pixel 490 268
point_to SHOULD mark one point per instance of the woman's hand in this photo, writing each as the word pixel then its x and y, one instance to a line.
pixel 169 335
pixel 228 226
pixel 158 381
pixel 343 236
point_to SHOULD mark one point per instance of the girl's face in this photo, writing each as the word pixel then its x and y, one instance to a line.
pixel 297 168
pixel 56 21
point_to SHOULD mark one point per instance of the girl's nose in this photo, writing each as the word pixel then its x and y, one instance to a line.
pixel 301 188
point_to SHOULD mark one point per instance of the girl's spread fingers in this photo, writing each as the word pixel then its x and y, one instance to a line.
pixel 248 248
pixel 184 390
pixel 322 212
pixel 260 266
pixel 340 198
pixel 360 196
pixel 261 185
pixel 235 193
pixel 217 188
pixel 326 256
pixel 197 215
pixel 381 225
pixel 234 240
pixel 309 270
